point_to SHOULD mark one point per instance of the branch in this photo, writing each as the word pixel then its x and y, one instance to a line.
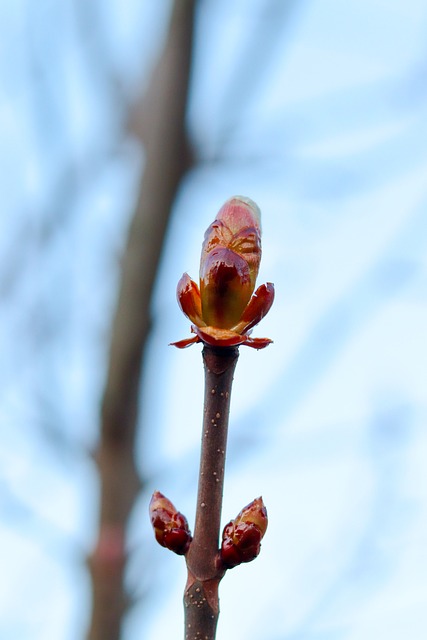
pixel 166 161
pixel 223 312
pixel 204 572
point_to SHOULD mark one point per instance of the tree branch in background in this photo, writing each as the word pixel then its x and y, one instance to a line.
pixel 166 161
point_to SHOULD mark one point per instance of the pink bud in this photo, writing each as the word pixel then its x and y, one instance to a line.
pixel 170 526
pixel 241 538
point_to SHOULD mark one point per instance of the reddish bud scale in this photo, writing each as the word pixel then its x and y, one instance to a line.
pixel 241 538
pixel 170 526
pixel 225 288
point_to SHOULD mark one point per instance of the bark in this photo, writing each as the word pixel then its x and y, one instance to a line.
pixel 201 601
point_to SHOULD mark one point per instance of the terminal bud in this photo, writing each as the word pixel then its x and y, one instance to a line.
pixel 225 306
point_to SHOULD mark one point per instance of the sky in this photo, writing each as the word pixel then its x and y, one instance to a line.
pixel 317 111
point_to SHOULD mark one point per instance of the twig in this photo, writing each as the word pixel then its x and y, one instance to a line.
pixel 204 571
pixel 223 311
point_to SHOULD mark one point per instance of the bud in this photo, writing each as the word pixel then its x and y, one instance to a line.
pixel 241 538
pixel 229 264
pixel 224 310
pixel 170 526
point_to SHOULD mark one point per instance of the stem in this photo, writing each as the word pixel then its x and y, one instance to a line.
pixel 201 603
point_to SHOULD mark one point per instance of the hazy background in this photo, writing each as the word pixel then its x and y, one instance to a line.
pixel 318 111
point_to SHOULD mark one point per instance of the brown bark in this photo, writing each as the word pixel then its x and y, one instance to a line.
pixel 166 161
pixel 201 602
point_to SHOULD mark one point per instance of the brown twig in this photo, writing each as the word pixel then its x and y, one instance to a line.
pixel 201 600
pixel 223 311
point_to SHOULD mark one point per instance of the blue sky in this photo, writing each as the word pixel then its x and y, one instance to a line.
pixel 317 111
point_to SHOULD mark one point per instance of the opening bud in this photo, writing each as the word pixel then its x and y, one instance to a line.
pixel 224 309
pixel 241 538
pixel 229 263
pixel 170 526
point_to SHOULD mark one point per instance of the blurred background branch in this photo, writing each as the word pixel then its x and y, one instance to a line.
pixel 166 159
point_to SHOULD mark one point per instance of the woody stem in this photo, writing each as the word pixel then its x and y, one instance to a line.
pixel 201 600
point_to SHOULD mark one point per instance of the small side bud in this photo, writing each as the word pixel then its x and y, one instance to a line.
pixel 241 538
pixel 170 526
